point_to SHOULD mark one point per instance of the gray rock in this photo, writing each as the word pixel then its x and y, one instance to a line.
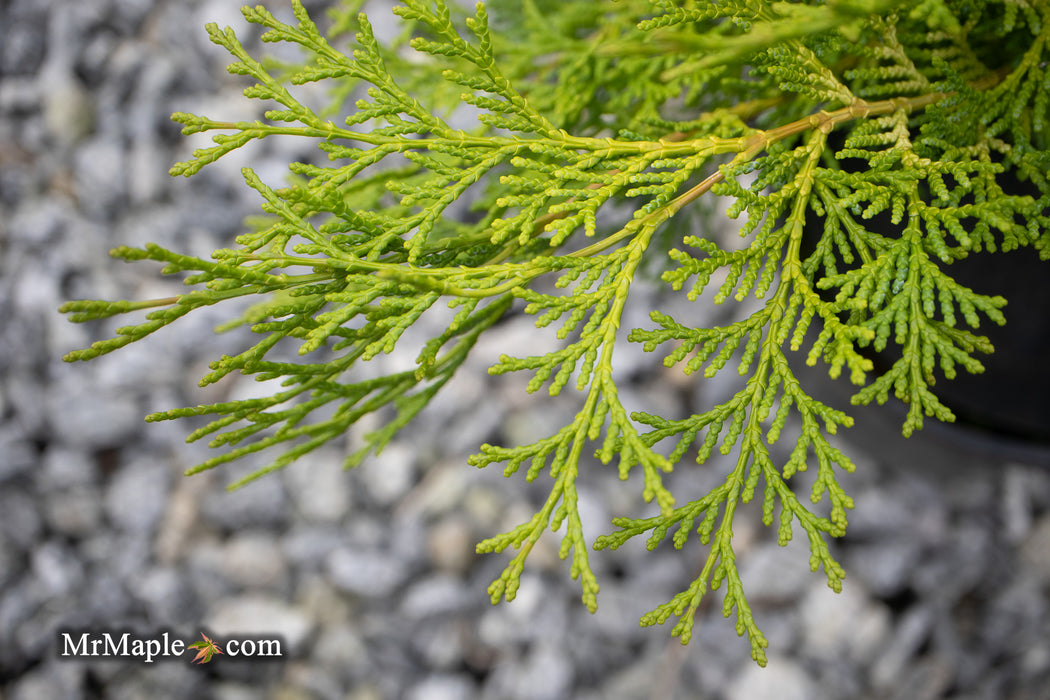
pixel 56 568
pixel 22 393
pixel 91 417
pixel 342 649
pixel 130 13
pixel 11 563
pixel 262 503
pixel 437 595
pixel 442 643
pixel 154 363
pixel 64 467
pixel 107 598
pixel 122 554
pixel 19 454
pixel 319 600
pixel 1015 617
pixel 546 673
pixel 243 688
pixel 928 679
pixel 368 573
pixel 406 537
pixel 1035 549
pixel 20 95
pixel 20 602
pixel 878 513
pixel 24 46
pixel 539 611
pixel 957 567
pixel 74 512
pixel 52 680
pixel 307 547
pixel 442 488
pixel 775 574
pixel 204 563
pixel 20 520
pixel 319 487
pixel 464 413
pixel 137 495
pixel 451 544
pixel 253 560
pixel 1016 501
pixel 388 476
pixel 884 565
pixel 644 678
pixel 99 169
pixel 168 594
pixel 39 221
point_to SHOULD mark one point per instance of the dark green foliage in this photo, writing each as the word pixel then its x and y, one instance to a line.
pixel 600 126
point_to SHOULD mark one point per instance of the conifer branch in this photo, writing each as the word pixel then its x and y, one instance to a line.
pixel 863 141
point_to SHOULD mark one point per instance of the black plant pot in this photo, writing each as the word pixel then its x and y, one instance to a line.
pixel 1010 397
pixel 1006 409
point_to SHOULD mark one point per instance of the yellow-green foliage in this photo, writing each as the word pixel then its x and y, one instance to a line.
pixel 584 107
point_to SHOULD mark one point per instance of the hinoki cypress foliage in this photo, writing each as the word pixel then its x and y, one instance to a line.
pixel 600 127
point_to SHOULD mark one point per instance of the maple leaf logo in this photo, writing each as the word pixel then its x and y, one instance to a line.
pixel 205 649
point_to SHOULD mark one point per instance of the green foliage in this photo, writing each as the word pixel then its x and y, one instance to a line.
pixel 882 126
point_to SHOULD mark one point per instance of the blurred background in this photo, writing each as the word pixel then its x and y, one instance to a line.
pixel 370 577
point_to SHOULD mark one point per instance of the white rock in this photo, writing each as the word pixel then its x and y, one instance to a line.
pixel 258 615
pixel 850 623
pixel 442 686
pixel 56 569
pixel 319 486
pixel 389 475
pixel 910 633
pixel 779 680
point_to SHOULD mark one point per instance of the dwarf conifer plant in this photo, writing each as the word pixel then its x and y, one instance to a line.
pixel 597 128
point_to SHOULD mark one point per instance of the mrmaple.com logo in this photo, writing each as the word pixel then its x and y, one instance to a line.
pixel 83 644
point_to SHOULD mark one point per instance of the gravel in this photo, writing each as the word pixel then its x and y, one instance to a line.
pixel 371 578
